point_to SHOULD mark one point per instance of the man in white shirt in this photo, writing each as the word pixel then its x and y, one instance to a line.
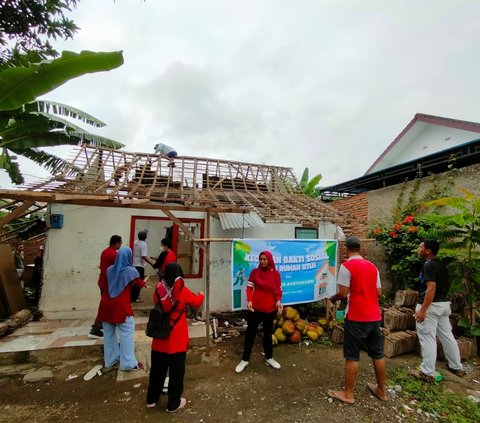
pixel 166 150
pixel 140 256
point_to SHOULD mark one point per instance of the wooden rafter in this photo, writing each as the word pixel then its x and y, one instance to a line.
pixel 117 178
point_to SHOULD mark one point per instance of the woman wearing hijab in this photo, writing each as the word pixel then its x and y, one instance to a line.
pixel 169 354
pixel 116 312
pixel 264 294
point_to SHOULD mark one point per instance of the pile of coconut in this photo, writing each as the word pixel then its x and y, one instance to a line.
pixel 291 327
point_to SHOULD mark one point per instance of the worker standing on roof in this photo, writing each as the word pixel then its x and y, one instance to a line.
pixel 166 150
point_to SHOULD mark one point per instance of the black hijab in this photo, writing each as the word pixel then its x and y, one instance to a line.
pixel 172 272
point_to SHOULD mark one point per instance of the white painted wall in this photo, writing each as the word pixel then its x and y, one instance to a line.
pixel 220 255
pixel 72 255
pixel 422 140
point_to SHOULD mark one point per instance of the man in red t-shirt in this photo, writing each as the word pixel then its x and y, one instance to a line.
pixel 359 281
pixel 107 258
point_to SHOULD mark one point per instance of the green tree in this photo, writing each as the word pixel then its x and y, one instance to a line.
pixel 309 187
pixel 27 25
pixel 27 125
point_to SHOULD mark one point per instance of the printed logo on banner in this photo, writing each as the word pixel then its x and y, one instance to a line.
pixel 307 268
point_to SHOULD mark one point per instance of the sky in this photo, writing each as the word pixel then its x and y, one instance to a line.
pixel 321 84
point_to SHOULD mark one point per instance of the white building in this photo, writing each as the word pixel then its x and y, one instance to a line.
pixel 203 203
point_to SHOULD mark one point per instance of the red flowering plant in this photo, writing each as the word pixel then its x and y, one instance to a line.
pixel 400 239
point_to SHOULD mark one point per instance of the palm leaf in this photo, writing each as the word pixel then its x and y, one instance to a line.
pixel 21 85
pixel 96 140
pixel 51 107
pixel 12 169
pixel 304 179
pixel 311 185
pixel 49 161
pixel 34 130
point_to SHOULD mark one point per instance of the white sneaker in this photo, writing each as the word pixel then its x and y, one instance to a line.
pixel 241 366
pixel 273 363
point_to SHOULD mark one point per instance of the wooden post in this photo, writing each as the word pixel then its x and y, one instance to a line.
pixel 207 282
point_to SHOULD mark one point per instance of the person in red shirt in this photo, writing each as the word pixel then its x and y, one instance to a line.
pixel 359 281
pixel 107 258
pixel 115 311
pixel 166 256
pixel 169 354
pixel 264 295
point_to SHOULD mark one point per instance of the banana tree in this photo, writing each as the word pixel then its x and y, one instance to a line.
pixel 27 124
pixel 309 187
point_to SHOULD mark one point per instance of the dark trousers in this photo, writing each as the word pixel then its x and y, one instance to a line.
pixel 254 319
pixel 160 364
pixel 135 290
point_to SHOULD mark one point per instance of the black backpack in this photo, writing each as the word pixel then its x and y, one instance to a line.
pixel 159 325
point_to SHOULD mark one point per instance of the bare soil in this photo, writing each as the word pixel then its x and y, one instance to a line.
pixel 215 393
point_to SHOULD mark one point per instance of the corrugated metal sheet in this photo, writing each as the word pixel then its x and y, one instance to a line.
pixel 240 220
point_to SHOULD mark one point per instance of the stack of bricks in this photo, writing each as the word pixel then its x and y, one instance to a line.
pixel 399 322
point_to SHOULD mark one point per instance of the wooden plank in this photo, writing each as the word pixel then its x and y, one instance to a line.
pixel 14 299
pixel 16 212
pixel 185 229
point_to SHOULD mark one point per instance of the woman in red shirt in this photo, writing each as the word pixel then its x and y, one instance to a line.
pixel 115 312
pixel 169 354
pixel 166 256
pixel 264 294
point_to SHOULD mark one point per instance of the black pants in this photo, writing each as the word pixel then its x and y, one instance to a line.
pixel 254 319
pixel 160 364
pixel 135 290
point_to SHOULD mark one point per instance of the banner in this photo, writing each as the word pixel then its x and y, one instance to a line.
pixel 307 268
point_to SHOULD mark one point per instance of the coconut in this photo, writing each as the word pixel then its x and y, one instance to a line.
pixel 323 322
pixel 295 338
pixel 297 316
pixel 301 325
pixel 280 335
pixel 289 313
pixel 320 330
pixel 280 322
pixel 288 327
pixel 274 340
pixel 312 334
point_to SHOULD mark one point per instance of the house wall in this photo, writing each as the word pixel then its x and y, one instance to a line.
pixel 220 254
pixel 72 254
pixel 426 140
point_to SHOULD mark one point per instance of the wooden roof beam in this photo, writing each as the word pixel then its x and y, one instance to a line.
pixel 15 213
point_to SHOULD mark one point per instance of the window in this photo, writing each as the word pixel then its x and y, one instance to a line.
pixel 306 233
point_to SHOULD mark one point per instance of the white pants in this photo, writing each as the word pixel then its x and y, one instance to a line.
pixel 437 323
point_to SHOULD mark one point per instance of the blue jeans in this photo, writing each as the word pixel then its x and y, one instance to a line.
pixel 123 352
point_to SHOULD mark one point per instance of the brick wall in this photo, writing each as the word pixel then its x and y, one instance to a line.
pixel 355 210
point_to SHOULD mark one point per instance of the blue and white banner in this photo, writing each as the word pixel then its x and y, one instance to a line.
pixel 307 267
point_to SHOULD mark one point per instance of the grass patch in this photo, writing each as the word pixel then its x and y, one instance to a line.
pixel 433 398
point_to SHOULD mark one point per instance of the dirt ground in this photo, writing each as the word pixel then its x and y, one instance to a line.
pixel 215 393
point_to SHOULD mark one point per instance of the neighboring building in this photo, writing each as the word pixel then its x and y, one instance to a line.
pixel 431 142
pixel 429 145
pixel 199 203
